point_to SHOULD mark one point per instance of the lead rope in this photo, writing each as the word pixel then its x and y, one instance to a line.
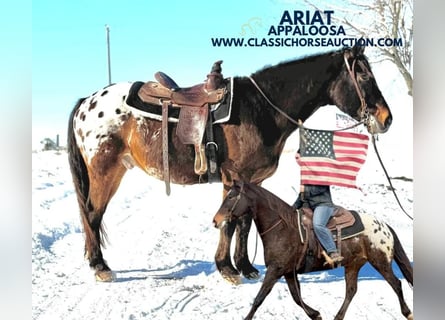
pixel 387 177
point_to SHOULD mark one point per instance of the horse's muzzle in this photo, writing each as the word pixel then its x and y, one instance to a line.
pixel 219 221
pixel 381 120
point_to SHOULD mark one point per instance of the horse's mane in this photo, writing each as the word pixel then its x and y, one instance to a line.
pixel 275 204
pixel 302 60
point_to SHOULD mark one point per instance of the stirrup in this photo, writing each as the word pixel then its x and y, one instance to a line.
pixel 332 261
pixel 336 257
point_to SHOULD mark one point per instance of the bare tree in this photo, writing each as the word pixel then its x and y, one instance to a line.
pixel 390 19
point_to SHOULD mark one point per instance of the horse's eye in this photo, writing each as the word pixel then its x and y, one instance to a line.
pixel 363 76
pixel 230 195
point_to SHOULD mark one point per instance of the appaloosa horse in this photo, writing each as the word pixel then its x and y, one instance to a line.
pixel 105 136
pixel 285 254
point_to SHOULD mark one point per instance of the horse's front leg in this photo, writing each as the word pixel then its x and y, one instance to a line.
pixel 241 255
pixel 294 288
pixel 222 257
pixel 273 274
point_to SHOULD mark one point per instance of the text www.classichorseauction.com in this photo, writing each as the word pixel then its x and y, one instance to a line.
pixel 302 29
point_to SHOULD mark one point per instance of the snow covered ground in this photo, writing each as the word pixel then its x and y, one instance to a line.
pixel 161 248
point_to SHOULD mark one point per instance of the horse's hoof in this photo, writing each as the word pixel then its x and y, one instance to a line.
pixel 248 271
pixel 232 278
pixel 254 275
pixel 104 276
pixel 410 316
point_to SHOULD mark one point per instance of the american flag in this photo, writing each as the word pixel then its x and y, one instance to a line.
pixel 331 157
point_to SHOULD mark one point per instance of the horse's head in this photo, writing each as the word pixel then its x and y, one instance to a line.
pixel 355 92
pixel 234 205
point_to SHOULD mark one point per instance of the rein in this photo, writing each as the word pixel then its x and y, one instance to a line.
pixel 288 117
pixel 238 198
pixel 364 116
pixel 388 178
pixel 271 228
pixel 298 123
pixel 364 112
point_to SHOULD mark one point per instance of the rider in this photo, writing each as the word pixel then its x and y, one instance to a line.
pixel 318 197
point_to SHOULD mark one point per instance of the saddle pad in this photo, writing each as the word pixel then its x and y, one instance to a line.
pixel 346 233
pixel 353 230
pixel 152 111
pixel 220 112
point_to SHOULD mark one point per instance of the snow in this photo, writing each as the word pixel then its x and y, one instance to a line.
pixel 162 248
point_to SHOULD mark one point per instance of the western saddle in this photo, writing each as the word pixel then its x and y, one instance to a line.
pixel 341 218
pixel 194 103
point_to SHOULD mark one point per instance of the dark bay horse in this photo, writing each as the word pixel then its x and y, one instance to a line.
pixel 106 137
pixel 284 253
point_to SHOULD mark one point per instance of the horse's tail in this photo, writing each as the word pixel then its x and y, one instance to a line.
pixel 402 259
pixel 81 180
pixel 77 164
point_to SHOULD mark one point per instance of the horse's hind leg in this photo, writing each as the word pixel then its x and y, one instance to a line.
pixel 386 271
pixel 96 182
pixel 102 189
pixel 241 256
pixel 294 288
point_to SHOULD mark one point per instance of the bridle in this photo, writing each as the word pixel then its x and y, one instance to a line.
pixel 364 111
pixel 237 199
pixel 364 114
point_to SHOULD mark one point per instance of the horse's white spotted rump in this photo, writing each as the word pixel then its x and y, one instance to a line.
pixel 99 116
pixel 379 235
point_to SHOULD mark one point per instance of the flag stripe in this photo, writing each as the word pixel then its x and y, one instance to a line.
pixel 328 180
pixel 328 174
pixel 337 164
pixel 328 183
pixel 326 167
pixel 333 163
pixel 346 134
pixel 349 145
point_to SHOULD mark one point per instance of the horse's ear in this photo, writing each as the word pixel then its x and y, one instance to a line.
pixel 239 184
pixel 225 170
pixel 358 51
pixel 231 171
pixel 229 167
